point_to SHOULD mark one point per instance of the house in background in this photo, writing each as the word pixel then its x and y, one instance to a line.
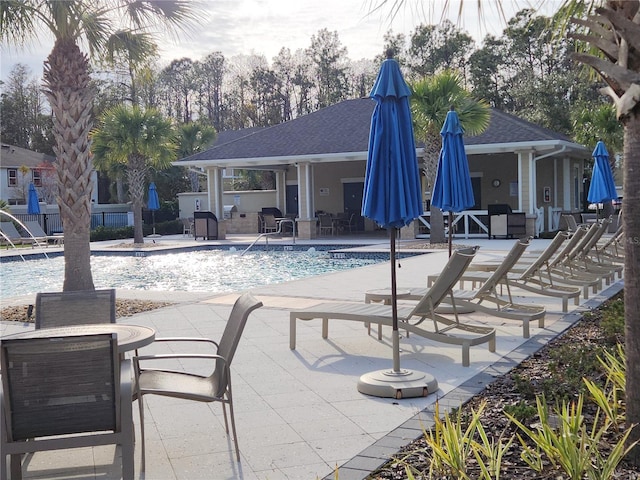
pixel 319 162
pixel 19 167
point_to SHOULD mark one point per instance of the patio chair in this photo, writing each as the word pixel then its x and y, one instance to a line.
pixel 187 227
pixel 216 387
pixel 10 235
pixel 472 300
pixel 326 224
pixel 41 237
pixel 61 309
pixel 421 320
pixel 571 223
pixel 269 223
pixel 534 274
pixel 64 392
pixel 583 260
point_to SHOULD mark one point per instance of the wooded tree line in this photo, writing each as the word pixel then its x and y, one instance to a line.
pixel 526 71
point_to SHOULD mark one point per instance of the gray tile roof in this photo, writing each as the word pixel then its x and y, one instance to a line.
pixel 11 156
pixel 344 128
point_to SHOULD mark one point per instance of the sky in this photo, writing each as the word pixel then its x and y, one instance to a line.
pixel 265 26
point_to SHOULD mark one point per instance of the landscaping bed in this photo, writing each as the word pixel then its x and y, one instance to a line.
pixel 556 373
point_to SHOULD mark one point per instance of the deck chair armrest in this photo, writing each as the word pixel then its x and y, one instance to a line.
pixel 175 356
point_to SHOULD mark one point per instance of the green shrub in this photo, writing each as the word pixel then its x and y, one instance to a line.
pixel 521 410
pixel 612 322
pixel 109 233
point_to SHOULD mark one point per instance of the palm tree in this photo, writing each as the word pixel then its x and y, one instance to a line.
pixel 139 139
pixel 613 30
pixel 431 99
pixel 70 93
pixel 194 137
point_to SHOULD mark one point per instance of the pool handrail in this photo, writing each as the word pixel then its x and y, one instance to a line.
pixel 277 232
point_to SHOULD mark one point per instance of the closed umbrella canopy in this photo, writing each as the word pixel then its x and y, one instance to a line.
pixel 33 206
pixel 452 191
pixel 154 202
pixel 392 198
pixel 392 192
pixel 602 188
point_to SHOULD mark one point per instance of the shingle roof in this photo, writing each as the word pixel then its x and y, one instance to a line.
pixel 344 128
pixel 507 128
pixel 11 156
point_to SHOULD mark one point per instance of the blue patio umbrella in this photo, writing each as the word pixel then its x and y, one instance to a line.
pixel 452 191
pixel 602 188
pixel 153 203
pixel 33 206
pixel 392 198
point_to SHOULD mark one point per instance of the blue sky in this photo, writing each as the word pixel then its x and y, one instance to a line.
pixel 265 26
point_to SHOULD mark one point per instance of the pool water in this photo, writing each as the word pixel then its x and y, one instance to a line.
pixel 214 271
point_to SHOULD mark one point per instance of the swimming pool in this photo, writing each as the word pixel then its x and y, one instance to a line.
pixel 215 271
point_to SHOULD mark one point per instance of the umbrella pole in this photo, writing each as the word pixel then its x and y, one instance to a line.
pixel 450 230
pixel 394 303
pixel 153 220
pixel 396 383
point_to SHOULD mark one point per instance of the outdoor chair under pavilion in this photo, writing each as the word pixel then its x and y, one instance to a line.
pixel 64 392
pixel 422 319
pixel 215 387
pixel 269 224
pixel 326 224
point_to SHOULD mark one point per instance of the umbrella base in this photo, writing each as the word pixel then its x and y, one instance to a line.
pixel 401 384
pixel 154 235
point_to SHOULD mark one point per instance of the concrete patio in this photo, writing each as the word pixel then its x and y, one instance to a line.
pixel 298 412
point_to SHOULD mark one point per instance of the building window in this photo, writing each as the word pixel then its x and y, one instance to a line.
pixel 13 177
pixel 229 173
pixel 37 177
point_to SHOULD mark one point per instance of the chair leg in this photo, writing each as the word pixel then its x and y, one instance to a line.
pixel 233 423
pixel 141 408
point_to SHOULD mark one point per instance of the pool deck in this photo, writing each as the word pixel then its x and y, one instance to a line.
pixel 298 412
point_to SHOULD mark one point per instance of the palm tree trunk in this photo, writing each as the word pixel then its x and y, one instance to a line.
pixel 136 174
pixel 71 107
pixel 631 222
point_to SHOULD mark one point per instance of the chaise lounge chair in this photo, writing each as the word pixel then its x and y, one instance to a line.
pixel 40 235
pixel 421 320
pixel 536 276
pixel 10 236
pixel 472 300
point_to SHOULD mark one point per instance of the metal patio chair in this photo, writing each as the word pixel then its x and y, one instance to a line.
pixel 64 392
pixel 215 387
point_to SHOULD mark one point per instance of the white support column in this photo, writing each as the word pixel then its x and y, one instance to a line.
pixel 306 217
pixel 214 192
pixel 567 182
pixel 280 189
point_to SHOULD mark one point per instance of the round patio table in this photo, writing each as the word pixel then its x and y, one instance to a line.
pixel 130 337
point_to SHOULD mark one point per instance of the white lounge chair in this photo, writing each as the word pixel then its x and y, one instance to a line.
pixel 10 235
pixel 472 300
pixel 421 320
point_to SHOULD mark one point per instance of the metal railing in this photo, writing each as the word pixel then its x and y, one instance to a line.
pixel 51 222
pixel 466 224
pixel 277 232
